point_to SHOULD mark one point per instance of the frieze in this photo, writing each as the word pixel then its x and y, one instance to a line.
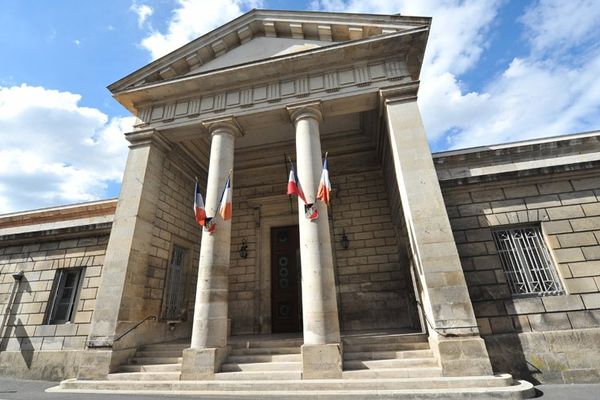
pixel 300 87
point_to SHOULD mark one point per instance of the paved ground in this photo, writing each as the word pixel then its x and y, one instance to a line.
pixel 13 389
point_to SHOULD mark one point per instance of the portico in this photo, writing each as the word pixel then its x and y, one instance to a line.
pixel 331 83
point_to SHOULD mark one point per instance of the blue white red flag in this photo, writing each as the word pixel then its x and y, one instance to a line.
pixel 199 211
pixel 225 208
pixel 324 191
pixel 293 187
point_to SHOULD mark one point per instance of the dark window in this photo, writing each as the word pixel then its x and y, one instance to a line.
pixel 175 287
pixel 526 261
pixel 66 289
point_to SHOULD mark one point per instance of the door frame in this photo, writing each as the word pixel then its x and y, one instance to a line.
pixel 264 266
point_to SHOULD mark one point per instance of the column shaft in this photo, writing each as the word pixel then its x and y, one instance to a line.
pixel 210 326
pixel 210 313
pixel 321 352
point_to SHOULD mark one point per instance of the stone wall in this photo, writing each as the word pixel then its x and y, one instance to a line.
pixel 552 338
pixel 174 224
pixel 374 285
pixel 31 347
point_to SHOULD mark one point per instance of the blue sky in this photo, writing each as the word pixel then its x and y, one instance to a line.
pixel 495 71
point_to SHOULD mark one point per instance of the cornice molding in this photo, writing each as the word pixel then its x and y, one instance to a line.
pixel 365 77
pixel 147 137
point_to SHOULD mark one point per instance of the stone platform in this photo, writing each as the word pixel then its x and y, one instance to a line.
pixel 377 365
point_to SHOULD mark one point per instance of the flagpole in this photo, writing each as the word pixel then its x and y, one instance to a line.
pixel 287 173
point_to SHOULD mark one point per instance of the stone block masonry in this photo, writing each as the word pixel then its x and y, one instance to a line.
pixel 566 207
pixel 30 346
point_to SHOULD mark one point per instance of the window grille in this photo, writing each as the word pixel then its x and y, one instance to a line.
pixel 66 289
pixel 526 261
pixel 175 285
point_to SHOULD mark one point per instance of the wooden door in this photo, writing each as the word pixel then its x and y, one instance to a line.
pixel 286 302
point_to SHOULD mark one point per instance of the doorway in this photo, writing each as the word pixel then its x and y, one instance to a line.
pixel 286 300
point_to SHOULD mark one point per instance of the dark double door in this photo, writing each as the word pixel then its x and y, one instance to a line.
pixel 286 301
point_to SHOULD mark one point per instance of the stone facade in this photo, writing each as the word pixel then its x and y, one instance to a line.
pixel 38 244
pixel 551 338
pixel 419 260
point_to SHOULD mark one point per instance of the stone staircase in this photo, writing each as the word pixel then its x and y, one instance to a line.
pixel 376 366
pixel 375 356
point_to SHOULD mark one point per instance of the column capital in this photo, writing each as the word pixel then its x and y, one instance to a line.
pixel 305 110
pixel 146 137
pixel 227 124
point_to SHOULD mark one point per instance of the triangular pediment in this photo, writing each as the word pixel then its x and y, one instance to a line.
pixel 263 34
pixel 259 48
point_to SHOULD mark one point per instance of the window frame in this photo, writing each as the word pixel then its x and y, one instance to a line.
pixel 58 288
pixel 181 316
pixel 535 263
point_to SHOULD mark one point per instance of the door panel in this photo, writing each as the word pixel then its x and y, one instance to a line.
pixel 286 312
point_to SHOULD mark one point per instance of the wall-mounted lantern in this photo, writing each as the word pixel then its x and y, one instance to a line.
pixel 345 242
pixel 244 249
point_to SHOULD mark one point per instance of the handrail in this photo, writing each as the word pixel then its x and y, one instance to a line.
pixel 149 317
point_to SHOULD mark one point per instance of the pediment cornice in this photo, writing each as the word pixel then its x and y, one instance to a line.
pixel 394 52
pixel 329 28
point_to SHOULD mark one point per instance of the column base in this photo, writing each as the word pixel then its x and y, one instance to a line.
pixel 322 361
pixel 462 356
pixel 202 364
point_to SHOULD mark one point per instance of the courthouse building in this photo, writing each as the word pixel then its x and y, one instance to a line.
pixel 427 272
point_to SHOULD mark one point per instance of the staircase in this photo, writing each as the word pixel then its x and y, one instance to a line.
pixel 251 359
pixel 376 356
pixel 154 362
pixel 376 366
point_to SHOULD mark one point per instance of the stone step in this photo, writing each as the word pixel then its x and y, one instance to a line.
pixel 385 355
pixel 258 375
pixel 267 343
pixel 389 373
pixel 500 380
pixel 150 368
pixel 393 363
pixel 383 338
pixel 258 358
pixel 353 348
pixel 265 351
pixel 165 347
pixel 496 387
pixel 155 360
pixel 144 376
pixel 265 366
pixel 159 353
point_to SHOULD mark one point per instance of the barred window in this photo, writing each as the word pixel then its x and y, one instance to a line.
pixel 526 261
pixel 173 309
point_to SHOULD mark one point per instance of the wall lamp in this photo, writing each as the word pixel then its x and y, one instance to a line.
pixel 345 242
pixel 244 249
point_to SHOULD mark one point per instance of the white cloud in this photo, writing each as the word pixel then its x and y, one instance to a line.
pixel 143 11
pixel 77 42
pixel 55 151
pixel 552 90
pixel 193 18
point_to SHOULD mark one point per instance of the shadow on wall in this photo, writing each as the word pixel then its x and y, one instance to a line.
pixel 15 329
pixel 508 355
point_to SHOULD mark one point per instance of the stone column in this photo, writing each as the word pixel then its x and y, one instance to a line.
pixel 209 333
pixel 120 300
pixel 321 352
pixel 454 335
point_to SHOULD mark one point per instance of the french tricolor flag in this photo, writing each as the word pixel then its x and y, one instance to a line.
pixel 324 191
pixel 293 187
pixel 225 208
pixel 199 211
